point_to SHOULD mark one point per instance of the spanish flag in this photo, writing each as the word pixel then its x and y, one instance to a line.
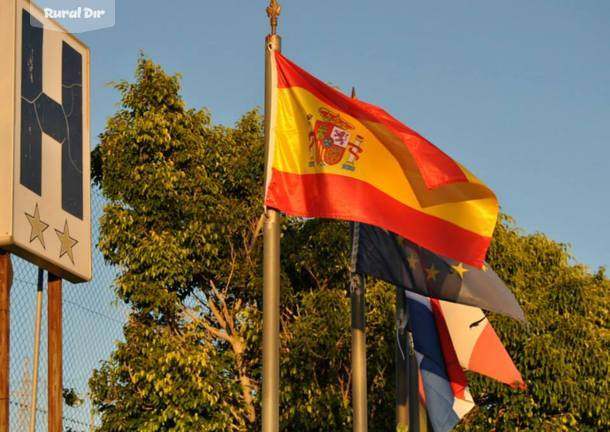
pixel 332 156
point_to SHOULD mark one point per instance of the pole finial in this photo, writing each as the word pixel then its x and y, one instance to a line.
pixel 273 12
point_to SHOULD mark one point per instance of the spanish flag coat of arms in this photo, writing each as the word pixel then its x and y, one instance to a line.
pixel 332 156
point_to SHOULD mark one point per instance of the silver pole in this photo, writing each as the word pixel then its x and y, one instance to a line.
pixel 271 255
pixel 357 288
pixel 271 323
pixel 402 363
pixel 359 390
pixel 418 420
pixel 415 405
pixel 37 327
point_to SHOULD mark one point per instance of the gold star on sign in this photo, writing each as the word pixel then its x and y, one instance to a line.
pixel 38 227
pixel 413 261
pixel 67 242
pixel 431 273
pixel 460 270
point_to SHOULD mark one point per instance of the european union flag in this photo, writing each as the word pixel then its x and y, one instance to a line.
pixel 385 255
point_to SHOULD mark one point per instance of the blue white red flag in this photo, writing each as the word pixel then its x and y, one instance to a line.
pixel 445 387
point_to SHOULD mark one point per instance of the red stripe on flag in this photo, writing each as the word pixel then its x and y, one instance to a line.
pixel 436 167
pixel 339 197
pixel 457 377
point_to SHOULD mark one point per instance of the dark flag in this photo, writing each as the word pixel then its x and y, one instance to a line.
pixel 382 254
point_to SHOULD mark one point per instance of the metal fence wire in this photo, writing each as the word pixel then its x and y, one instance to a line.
pixel 92 323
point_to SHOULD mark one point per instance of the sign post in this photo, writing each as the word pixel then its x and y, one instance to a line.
pixel 6 279
pixel 54 343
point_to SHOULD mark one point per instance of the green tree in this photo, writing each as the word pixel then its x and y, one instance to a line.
pixel 179 223
pixel 182 223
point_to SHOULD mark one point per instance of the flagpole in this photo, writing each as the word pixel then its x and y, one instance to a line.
pixel 359 379
pixel 418 418
pixel 401 358
pixel 271 250
pixel 359 390
pixel 424 421
pixel 415 405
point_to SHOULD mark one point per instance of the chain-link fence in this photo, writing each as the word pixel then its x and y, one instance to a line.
pixel 92 323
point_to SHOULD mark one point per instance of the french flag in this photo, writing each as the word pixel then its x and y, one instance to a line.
pixel 445 387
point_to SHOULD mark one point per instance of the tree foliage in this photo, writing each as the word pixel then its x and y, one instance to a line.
pixel 182 225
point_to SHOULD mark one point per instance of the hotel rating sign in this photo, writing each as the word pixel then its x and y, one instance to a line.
pixel 45 213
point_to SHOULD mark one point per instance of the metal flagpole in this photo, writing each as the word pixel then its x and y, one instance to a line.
pixel 418 420
pixel 424 422
pixel 401 359
pixel 415 405
pixel 35 365
pixel 271 247
pixel 359 390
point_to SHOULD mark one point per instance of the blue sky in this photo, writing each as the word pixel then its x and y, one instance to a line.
pixel 517 91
